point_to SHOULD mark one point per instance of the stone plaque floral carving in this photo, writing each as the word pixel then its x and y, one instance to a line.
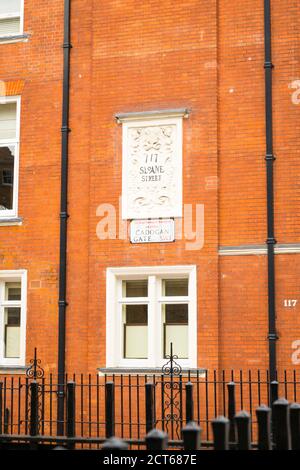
pixel 152 169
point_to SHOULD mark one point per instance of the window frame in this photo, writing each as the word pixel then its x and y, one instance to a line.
pixel 20 15
pixel 13 213
pixel 13 276
pixel 115 301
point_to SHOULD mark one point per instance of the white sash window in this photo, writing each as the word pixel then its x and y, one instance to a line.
pixel 11 18
pixel 147 310
pixel 12 317
pixel 9 156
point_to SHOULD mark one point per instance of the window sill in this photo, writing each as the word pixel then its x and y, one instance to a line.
pixel 10 221
pixel 146 370
pixel 14 38
pixel 15 370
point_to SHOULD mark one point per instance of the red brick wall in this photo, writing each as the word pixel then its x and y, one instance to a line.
pixel 243 280
pixel 153 56
pixel 287 285
pixel 34 245
pixel 244 312
pixel 241 123
pixel 286 51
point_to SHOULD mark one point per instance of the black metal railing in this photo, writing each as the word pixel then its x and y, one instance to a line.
pixel 277 425
pixel 130 405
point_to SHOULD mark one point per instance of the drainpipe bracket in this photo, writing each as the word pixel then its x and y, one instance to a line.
pixel 270 157
pixel 62 303
pixel 65 129
pixel 64 215
pixel 273 337
pixel 269 65
pixel 271 241
pixel 67 45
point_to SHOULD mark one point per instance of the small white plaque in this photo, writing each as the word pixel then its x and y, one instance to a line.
pixel 152 231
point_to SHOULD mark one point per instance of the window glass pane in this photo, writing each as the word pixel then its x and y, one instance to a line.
pixel 12 318
pixel 8 120
pixel 7 160
pixel 135 331
pixel 9 6
pixel 135 288
pixel 176 313
pixel 175 287
pixel 12 291
pixel 136 314
pixel 175 329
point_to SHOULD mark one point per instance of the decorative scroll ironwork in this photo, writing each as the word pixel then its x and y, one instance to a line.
pixel 35 371
pixel 172 395
pixel 171 367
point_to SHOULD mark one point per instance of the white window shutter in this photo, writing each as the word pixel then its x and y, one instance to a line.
pixel 9 26
pixel 8 7
pixel 8 121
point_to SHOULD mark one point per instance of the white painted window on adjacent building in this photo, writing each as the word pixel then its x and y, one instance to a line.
pixel 12 317
pixel 11 17
pixel 9 156
pixel 147 310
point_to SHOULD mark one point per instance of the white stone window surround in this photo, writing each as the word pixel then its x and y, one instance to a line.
pixel 114 302
pixel 13 276
pixel 147 135
pixel 11 215
pixel 16 36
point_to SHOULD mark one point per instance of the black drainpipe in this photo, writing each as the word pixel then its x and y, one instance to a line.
pixel 62 303
pixel 271 241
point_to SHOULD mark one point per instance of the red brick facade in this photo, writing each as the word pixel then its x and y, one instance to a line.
pixel 207 56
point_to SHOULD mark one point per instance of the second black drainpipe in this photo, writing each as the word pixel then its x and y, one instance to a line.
pixel 62 303
pixel 271 241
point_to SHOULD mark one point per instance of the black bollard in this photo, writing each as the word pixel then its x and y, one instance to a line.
pixel 295 425
pixel 281 424
pixel 191 436
pixel 189 402
pixel 156 440
pixel 263 414
pixel 231 410
pixel 150 406
pixel 114 443
pixel 243 426
pixel 220 426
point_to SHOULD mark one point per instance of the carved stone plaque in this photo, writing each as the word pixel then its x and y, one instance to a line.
pixel 152 169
